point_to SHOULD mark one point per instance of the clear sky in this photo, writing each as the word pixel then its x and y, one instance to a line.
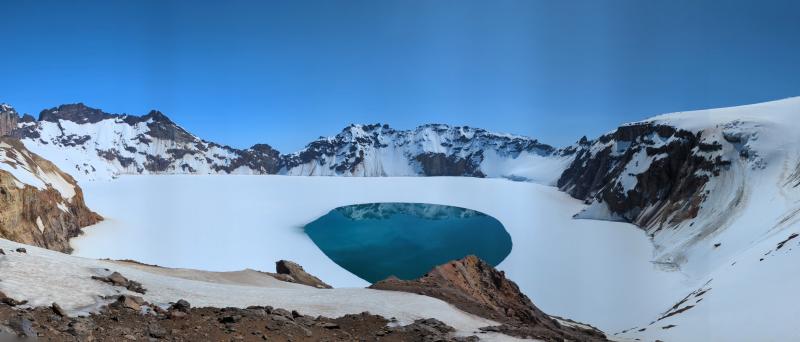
pixel 286 72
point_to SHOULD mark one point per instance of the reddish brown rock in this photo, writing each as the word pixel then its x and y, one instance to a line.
pixel 476 287
pixel 39 217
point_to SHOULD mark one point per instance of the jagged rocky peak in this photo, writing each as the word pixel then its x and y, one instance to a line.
pixel 265 149
pixel 156 115
pixel 75 112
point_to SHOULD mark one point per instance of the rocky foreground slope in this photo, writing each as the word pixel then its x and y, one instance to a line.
pixel 39 204
pixel 88 299
pixel 92 144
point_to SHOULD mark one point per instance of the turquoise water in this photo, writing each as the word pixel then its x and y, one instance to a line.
pixel 377 240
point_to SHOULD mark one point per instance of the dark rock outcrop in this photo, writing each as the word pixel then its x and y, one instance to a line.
pixel 76 112
pixel 118 279
pixel 476 287
pixel 440 164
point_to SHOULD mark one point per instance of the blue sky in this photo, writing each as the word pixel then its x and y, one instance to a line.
pixel 286 72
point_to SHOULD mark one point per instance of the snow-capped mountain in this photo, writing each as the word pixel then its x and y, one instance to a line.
pixel 92 144
pixel 429 150
pixel 718 192
pixel 685 177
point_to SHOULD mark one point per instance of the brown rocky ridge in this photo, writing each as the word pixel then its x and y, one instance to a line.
pixel 476 287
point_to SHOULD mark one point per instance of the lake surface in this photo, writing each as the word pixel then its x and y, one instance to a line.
pixel 406 240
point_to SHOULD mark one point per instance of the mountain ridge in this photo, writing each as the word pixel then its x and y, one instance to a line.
pixel 101 145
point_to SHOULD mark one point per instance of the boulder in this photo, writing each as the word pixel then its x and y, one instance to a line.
pixel 297 274
pixel 117 279
pixel 131 302
pixel 58 310
pixel 181 305
pixel 23 327
pixel 10 301
pixel 156 331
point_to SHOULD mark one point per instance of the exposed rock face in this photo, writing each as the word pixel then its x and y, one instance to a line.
pixel 440 164
pixel 649 174
pixel 294 273
pixel 102 145
pixel 78 113
pixel 680 182
pixel 9 119
pixel 476 287
pixel 39 204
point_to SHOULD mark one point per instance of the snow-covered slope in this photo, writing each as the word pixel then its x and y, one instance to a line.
pixel 92 144
pixel 718 191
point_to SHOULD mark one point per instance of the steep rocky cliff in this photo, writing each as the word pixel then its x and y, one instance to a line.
pixel 686 178
pixel 650 174
pixel 39 204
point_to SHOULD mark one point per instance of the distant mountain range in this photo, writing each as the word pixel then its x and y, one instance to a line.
pixel 92 144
